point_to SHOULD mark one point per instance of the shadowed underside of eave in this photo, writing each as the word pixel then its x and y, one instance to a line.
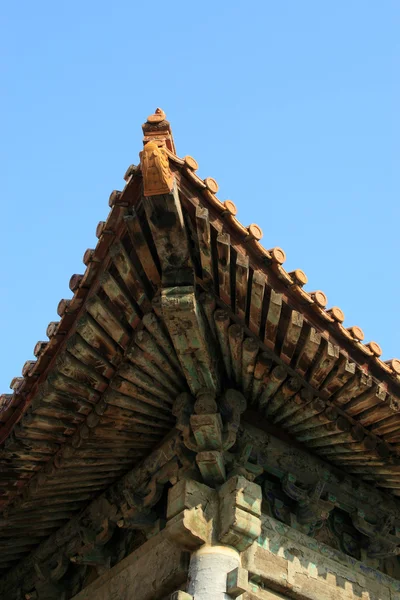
pixel 178 296
pixel 103 404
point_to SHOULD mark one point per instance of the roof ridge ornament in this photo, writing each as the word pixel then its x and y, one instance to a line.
pixel 158 129
pixel 157 141
pixel 157 176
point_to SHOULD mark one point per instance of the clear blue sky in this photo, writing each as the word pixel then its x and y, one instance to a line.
pixel 292 106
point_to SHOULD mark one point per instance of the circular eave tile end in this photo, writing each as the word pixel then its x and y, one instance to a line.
pixel 211 184
pixel 191 163
pixel 356 332
pixel 63 307
pixel 230 207
pixel 278 255
pixel 299 277
pixel 88 256
pixel 375 348
pixel 320 298
pixel 394 363
pixel 39 348
pixel 114 197
pixel 52 329
pixel 255 231
pixel 75 282
pixel 100 228
pixel 16 382
pixel 28 366
pixel 130 171
pixel 337 314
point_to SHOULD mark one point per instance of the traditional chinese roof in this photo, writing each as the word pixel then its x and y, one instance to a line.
pixel 179 296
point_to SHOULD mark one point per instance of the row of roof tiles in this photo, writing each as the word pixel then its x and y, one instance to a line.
pixel 12 406
pixel 296 279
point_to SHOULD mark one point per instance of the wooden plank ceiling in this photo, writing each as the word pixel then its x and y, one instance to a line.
pixel 99 395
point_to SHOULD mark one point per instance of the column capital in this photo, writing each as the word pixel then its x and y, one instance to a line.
pixel 199 515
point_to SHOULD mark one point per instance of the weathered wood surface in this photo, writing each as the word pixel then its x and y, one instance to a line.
pixel 187 329
pixel 94 401
pixel 165 218
pixel 84 394
pixel 204 237
pixel 154 570
pixel 292 564
pixel 146 387
pixel 68 540
pixel 224 272
pixel 273 316
pixel 280 458
pixel 256 301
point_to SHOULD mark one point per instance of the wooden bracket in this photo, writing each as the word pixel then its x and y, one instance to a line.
pixel 239 512
pixel 237 582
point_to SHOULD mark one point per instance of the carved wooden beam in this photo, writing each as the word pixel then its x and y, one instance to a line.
pixel 286 462
pixel 187 328
pixel 84 533
pixel 209 429
pixel 273 565
pixel 198 514
pixel 165 218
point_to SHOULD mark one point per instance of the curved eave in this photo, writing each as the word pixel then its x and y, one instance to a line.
pixel 99 396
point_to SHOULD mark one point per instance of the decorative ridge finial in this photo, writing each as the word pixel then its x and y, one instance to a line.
pixel 157 176
pixel 158 129
pixel 157 117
